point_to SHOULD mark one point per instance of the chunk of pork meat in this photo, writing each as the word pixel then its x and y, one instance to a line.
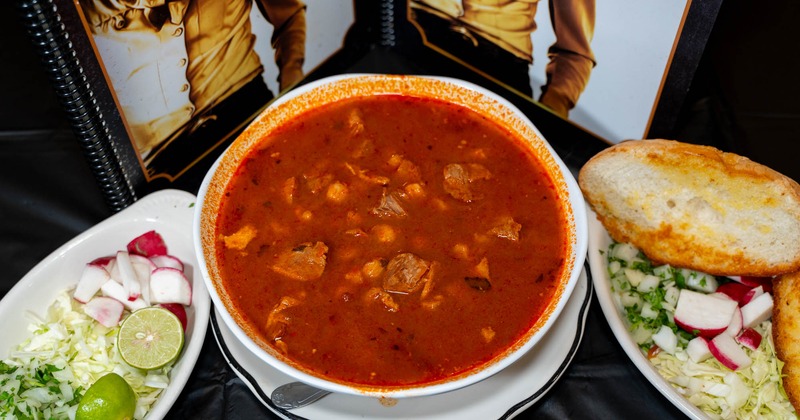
pixel 459 177
pixel 405 273
pixel 317 182
pixel 355 121
pixel 240 239
pixel 390 205
pixel 506 228
pixel 303 262
pixel 367 175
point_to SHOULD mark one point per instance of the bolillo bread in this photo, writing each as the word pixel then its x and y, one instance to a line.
pixel 696 207
pixel 786 331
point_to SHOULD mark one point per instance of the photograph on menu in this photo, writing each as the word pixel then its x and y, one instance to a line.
pixel 188 75
pixel 574 57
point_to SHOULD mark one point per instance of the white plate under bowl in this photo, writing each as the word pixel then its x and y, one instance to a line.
pixel 170 213
pixel 598 245
pixel 340 87
pixel 502 396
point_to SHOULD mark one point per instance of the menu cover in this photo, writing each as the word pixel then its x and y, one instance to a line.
pixel 619 69
pixel 156 89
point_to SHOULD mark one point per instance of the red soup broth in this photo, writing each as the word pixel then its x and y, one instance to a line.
pixel 390 241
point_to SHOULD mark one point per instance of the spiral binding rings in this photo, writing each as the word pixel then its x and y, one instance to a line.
pixel 388 38
pixel 51 40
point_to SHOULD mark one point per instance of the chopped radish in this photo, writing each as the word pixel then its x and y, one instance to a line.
pixel 728 352
pixel 169 285
pixel 104 310
pixel 757 310
pixel 721 295
pixel 128 276
pixel 92 278
pixel 734 289
pixel 167 261
pixel 666 339
pixel 142 266
pixel 764 282
pixel 704 314
pixel 125 280
pixel 115 291
pixel 736 325
pixel 697 349
pixel 751 294
pixel 148 244
pixel 179 311
pixel 104 262
pixel 113 270
pixel 749 338
pixel 147 262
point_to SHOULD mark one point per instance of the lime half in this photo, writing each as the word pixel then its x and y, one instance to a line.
pixel 109 398
pixel 150 338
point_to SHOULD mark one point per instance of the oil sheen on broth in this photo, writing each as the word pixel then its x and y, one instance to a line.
pixel 390 241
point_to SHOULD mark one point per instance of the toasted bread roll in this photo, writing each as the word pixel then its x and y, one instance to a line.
pixel 696 207
pixel 786 332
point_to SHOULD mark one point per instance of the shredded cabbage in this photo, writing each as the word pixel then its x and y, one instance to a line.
pixel 754 392
pixel 46 375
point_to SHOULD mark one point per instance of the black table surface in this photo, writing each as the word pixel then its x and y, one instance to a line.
pixel 48 196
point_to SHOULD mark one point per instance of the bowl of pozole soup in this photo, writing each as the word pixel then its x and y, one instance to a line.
pixel 390 236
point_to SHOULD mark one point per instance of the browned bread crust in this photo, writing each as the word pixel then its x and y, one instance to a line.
pixel 696 207
pixel 786 332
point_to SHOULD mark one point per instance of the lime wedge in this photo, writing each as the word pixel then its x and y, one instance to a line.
pixel 110 398
pixel 150 338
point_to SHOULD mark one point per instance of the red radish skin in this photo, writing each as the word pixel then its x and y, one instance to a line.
pixel 105 310
pixel 169 285
pixel 124 281
pixel 749 338
pixel 179 311
pixel 734 290
pixel 751 294
pixel 148 244
pixel 104 262
pixel 728 352
pixel 92 279
pixel 752 282
pixel 703 314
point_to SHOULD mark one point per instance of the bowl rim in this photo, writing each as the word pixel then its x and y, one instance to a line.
pixel 403 84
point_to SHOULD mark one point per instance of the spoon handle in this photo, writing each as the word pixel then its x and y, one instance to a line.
pixel 296 395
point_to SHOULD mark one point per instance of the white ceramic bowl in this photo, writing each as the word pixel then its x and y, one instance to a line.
pixel 333 89
pixel 170 213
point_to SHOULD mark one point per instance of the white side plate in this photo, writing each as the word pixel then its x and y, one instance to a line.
pixel 170 213
pixel 598 245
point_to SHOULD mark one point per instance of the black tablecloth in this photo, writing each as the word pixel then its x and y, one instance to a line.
pixel 48 196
